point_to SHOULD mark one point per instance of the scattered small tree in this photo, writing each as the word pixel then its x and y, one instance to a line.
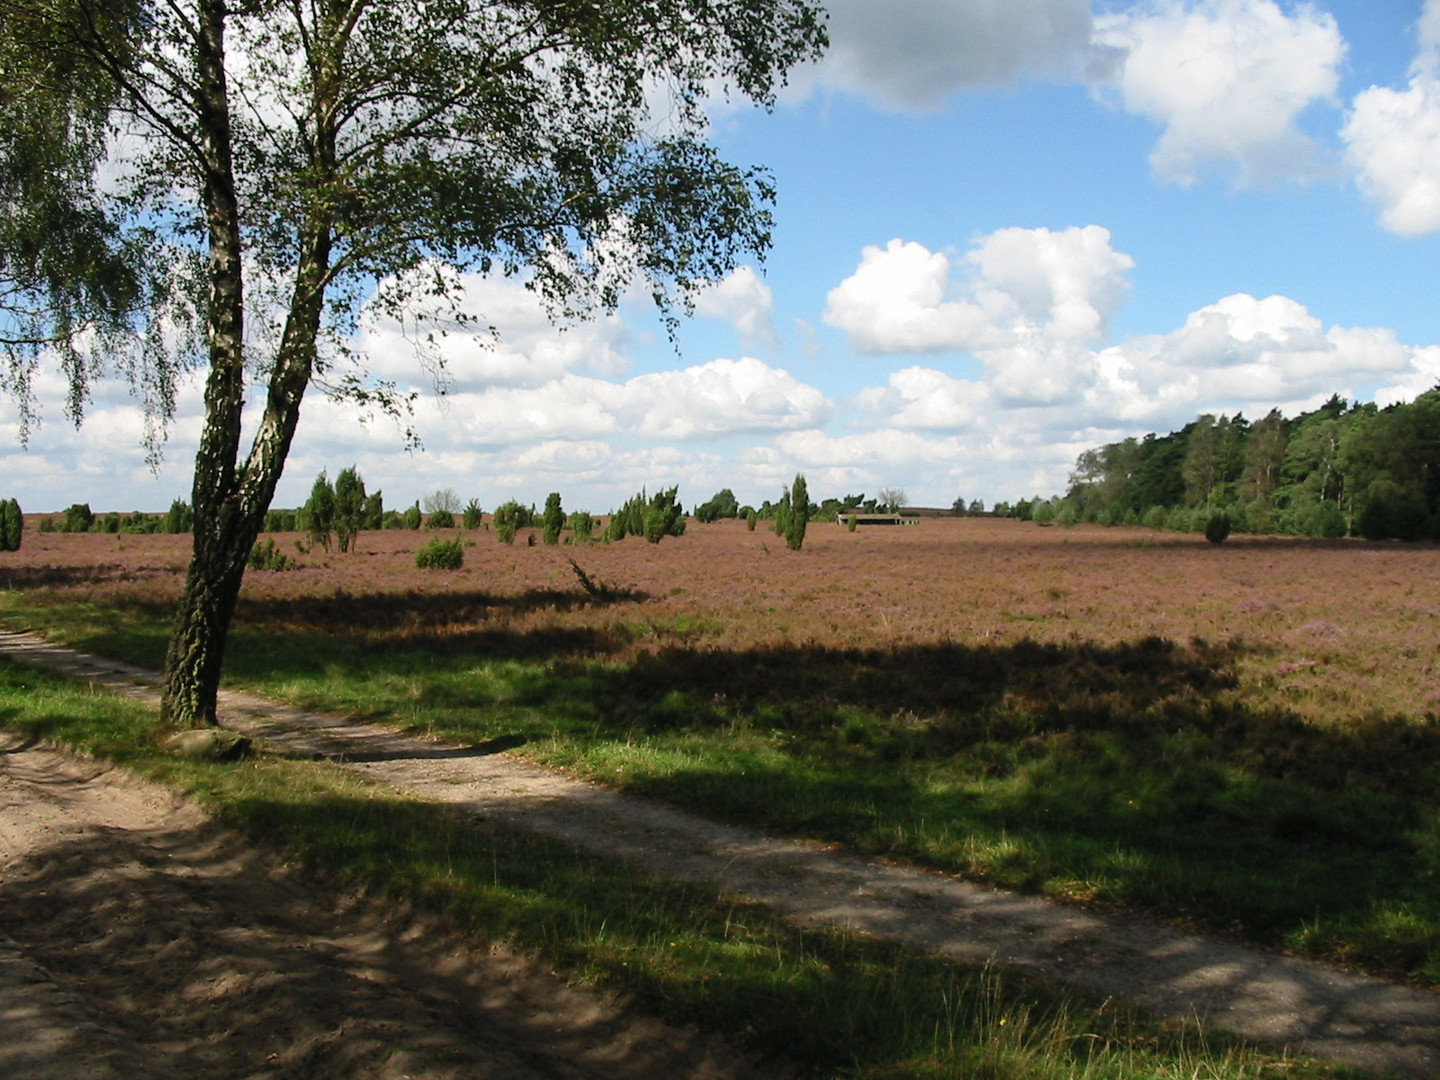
pixel 470 517
pixel 1217 528
pixel 554 518
pixel 582 527
pixel 799 514
pixel 78 518
pixel 413 518
pixel 440 519
pixel 722 504
pixel 179 518
pixel 664 516
pixel 780 522
pixel 317 516
pixel 373 514
pixel 629 520
pixel 12 525
pixel 510 517
pixel 349 515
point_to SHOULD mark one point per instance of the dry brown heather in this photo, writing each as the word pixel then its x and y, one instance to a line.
pixel 1330 630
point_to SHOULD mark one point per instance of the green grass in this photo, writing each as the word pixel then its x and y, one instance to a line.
pixel 836 1004
pixel 1129 774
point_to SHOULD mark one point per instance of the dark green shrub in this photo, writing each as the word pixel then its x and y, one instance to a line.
pixel 750 519
pixel 722 504
pixel 267 556
pixel 781 519
pixel 554 518
pixel 181 519
pixel 47 525
pixel 471 516
pixel 277 521
pixel 441 519
pixel 373 514
pixel 139 523
pixel 349 507
pixel 440 554
pixel 78 518
pixel 12 525
pixel 509 517
pixel 1217 528
pixel 799 515
pixel 664 516
pixel 317 516
pixel 413 517
pixel 629 520
pixel 582 527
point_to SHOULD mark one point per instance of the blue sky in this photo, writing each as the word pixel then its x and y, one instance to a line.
pixel 1007 230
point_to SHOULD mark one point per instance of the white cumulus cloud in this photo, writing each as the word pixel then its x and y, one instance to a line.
pixel 1034 306
pixel 1392 140
pixel 1245 353
pixel 722 397
pixel 1022 287
pixel 743 300
pixel 527 350
pixel 1227 80
pixel 899 300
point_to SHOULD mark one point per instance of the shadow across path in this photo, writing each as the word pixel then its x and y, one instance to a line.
pixel 1351 1019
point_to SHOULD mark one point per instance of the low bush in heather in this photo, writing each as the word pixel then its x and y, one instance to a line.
pixel 440 554
pixel 267 556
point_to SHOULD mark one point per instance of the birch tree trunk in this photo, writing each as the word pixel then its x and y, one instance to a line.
pixel 230 502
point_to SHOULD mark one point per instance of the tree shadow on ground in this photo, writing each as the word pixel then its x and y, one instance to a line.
pixel 422 616
pixel 62 577
pixel 208 962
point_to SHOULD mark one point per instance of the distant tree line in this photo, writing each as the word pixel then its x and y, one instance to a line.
pixel 723 504
pixel 79 518
pixel 337 511
pixel 1343 469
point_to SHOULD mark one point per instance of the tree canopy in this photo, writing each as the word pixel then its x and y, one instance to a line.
pixel 1340 468
pixel 247 180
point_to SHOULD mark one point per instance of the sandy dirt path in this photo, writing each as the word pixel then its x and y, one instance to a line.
pixel 138 938
pixel 1319 1010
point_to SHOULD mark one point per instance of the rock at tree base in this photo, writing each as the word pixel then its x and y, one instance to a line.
pixel 210 744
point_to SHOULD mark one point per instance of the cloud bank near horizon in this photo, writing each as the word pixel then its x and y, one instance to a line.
pixel 1007 371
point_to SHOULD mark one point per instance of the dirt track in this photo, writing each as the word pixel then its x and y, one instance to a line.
pixel 1322 1011
pixel 147 941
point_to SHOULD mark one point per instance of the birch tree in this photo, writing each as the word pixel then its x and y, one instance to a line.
pixel 246 176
